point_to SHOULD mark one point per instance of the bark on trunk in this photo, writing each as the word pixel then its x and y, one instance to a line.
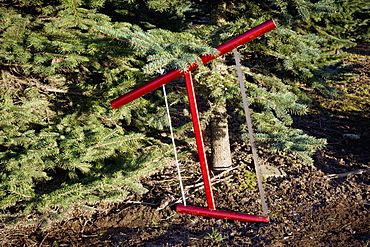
pixel 218 12
pixel 220 144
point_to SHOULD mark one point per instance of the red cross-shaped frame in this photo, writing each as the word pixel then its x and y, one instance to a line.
pixel 170 76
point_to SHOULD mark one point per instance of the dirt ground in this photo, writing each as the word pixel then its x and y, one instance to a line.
pixel 325 204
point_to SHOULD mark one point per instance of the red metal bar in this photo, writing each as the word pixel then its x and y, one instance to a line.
pixel 241 39
pixel 199 140
pixel 170 76
pixel 220 214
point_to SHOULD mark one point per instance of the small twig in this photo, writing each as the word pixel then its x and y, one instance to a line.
pixel 214 182
pixel 56 90
pixel 142 203
pixel 50 89
pixel 42 242
pixel 200 184
pixel 342 175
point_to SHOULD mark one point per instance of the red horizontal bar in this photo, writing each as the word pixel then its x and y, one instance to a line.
pixel 146 88
pixel 172 75
pixel 241 39
pixel 220 214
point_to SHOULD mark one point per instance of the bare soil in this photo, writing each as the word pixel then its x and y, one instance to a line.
pixel 325 204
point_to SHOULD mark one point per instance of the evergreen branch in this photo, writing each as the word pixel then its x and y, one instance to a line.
pixel 51 89
pixel 54 144
pixel 110 35
pixel 57 195
pixel 137 104
pixel 138 44
pixel 100 144
pixel 22 195
pixel 150 69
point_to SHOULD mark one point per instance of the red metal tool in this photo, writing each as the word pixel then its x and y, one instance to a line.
pixel 170 76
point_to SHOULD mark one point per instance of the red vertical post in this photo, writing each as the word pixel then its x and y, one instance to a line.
pixel 199 140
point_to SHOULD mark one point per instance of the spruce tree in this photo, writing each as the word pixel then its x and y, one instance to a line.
pixel 61 143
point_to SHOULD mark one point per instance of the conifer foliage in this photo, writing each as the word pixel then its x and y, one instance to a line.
pixel 162 49
pixel 61 144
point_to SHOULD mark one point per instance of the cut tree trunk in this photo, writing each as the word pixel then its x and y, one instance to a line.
pixel 220 144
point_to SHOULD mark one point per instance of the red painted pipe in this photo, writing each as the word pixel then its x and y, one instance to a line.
pixel 199 140
pixel 170 76
pixel 220 214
